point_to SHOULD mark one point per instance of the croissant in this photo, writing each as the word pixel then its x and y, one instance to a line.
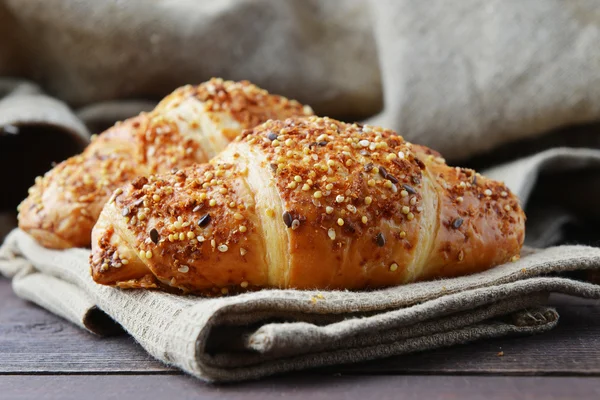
pixel 191 125
pixel 306 203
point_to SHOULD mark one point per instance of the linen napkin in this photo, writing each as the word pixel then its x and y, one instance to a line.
pixel 272 331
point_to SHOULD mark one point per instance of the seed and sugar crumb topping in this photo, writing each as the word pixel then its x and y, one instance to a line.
pixel 248 104
pixel 337 177
pixel 342 178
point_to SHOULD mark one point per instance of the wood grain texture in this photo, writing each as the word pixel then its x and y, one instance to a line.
pixel 35 341
pixel 300 386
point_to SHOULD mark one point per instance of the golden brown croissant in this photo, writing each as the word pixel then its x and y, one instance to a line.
pixel 306 203
pixel 191 125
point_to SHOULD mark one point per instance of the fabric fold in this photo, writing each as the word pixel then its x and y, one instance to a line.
pixel 257 334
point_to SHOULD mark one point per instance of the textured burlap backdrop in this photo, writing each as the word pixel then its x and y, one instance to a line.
pixel 510 86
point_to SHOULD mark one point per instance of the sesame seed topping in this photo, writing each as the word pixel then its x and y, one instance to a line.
pixel 340 222
pixel 270 212
pixel 339 198
pixel 318 194
pixel 204 220
pixel 244 284
pixel 405 210
pixel 413 201
pixel 409 189
pixel 487 192
pixel 295 224
pixel 306 187
pixel 410 216
pixel 183 269
pixel 331 233
pixel 364 143
pixel 238 216
pixel 125 211
pixel 364 219
pixel 368 200
pixel 212 202
pixel 503 194
pixel 197 208
pixel 298 178
pixel 507 207
pixel 402 234
pixel 272 136
pixel 243 251
pixel 328 209
pixel 224 290
pixel 380 239
pixel 190 235
pixel 393 267
pixel 404 193
pixel 223 248
pixel 148 254
pixel 459 199
pixel 287 219
pixel 154 235
pixel 457 223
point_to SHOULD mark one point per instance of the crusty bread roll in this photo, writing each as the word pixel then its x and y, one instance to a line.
pixel 191 125
pixel 306 203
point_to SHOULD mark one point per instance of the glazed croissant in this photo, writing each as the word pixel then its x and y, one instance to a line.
pixel 306 203
pixel 191 125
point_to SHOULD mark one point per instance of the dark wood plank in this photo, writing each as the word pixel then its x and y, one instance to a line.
pixel 33 340
pixel 314 387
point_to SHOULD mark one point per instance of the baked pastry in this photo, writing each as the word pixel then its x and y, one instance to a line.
pixel 191 125
pixel 306 203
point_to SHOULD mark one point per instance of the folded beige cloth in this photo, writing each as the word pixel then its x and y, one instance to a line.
pixel 462 77
pixel 272 331
pixel 257 334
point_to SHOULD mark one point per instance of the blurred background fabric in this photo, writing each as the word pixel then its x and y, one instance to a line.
pixel 484 82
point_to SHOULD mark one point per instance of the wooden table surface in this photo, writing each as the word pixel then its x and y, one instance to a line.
pixel 43 356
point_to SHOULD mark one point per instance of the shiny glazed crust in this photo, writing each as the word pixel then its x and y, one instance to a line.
pixel 306 203
pixel 191 125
